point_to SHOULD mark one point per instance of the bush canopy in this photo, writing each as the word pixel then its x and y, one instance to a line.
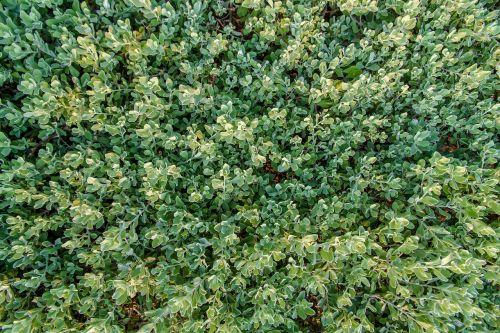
pixel 249 166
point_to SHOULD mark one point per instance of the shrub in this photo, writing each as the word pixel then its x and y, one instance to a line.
pixel 249 166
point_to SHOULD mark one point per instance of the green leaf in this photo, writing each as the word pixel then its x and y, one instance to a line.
pixel 352 72
pixel 430 201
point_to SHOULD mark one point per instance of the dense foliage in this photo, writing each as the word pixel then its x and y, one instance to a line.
pixel 249 166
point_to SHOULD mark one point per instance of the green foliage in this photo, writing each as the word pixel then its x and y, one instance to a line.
pixel 249 166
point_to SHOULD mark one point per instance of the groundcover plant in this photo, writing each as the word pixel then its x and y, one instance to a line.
pixel 249 166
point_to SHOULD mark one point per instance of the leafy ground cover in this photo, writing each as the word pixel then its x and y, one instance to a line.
pixel 249 166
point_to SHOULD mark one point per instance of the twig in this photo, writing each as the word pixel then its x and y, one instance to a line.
pixel 37 147
pixel 41 143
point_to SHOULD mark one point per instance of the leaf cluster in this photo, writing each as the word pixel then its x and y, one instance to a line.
pixel 249 166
